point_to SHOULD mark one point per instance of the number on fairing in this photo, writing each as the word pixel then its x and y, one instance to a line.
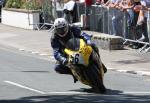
pixel 74 58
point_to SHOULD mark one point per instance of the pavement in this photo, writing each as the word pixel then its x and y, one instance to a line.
pixel 38 43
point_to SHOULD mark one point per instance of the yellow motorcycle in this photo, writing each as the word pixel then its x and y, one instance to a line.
pixel 85 64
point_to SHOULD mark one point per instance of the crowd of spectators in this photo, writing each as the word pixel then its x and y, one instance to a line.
pixel 136 12
pixel 136 15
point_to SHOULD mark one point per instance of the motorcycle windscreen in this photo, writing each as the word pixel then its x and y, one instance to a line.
pixel 78 51
pixel 73 44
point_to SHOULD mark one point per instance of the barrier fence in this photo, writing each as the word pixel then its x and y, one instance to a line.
pixel 109 21
pixel 50 10
pixel 105 20
pixel 47 12
pixel 47 15
pixel 148 29
pixel 115 22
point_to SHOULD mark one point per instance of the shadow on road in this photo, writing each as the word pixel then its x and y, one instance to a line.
pixel 112 96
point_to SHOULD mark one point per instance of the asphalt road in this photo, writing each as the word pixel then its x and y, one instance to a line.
pixel 29 78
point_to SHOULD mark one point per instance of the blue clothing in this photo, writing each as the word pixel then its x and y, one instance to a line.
pixel 1 2
pixel 58 43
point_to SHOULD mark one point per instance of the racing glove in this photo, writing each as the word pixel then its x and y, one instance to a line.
pixel 89 42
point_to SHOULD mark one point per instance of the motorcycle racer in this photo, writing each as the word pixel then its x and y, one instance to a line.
pixel 62 32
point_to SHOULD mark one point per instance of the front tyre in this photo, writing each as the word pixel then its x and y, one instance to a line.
pixel 95 79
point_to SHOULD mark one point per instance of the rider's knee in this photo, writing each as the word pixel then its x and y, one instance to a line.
pixel 61 69
pixel 58 69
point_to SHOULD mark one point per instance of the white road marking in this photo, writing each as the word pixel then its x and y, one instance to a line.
pixel 111 68
pixel 21 49
pixel 143 73
pixel 66 93
pixel 130 92
pixel 35 52
pixel 24 87
pixel 41 92
pixel 43 54
pixel 124 71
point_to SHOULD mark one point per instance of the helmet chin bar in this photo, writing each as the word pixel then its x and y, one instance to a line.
pixel 61 27
pixel 64 33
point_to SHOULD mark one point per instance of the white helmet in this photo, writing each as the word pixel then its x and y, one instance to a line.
pixel 61 27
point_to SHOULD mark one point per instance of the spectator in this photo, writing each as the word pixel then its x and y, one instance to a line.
pixel 136 25
pixel 123 5
pixel 126 6
pixel 115 18
pixel 70 11
pixel 132 19
pixel 111 3
pixel 98 2
pixel 101 1
pixel 104 1
pixel 88 4
pixel 57 7
pixel 142 21
pixel 2 2
pixel 1 5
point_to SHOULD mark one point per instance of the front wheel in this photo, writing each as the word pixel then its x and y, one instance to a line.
pixel 94 77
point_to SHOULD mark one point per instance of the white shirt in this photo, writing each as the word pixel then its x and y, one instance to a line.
pixel 145 3
pixel 69 5
pixel 117 1
pixel 113 1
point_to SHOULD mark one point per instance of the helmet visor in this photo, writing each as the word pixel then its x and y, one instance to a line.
pixel 61 31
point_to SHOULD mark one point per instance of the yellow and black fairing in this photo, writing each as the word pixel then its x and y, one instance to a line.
pixel 85 63
pixel 79 54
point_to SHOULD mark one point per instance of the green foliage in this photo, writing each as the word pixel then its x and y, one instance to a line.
pixel 32 5
pixel 22 4
pixel 13 3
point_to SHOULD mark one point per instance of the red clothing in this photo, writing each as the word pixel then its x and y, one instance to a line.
pixel 88 2
pixel 99 1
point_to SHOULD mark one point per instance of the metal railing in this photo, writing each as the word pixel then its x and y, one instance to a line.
pixel 47 14
pixel 114 22
pixel 148 29
pixel 105 20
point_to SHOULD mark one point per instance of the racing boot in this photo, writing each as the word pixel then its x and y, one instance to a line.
pixel 65 70
pixel 75 79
